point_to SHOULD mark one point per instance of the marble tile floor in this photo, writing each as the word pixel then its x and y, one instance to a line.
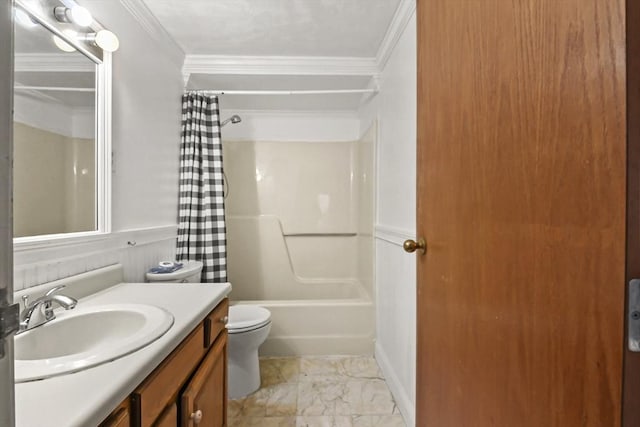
pixel 334 391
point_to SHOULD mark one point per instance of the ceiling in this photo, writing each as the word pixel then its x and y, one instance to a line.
pixel 343 28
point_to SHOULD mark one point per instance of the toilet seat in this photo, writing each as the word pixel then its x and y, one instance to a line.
pixel 245 318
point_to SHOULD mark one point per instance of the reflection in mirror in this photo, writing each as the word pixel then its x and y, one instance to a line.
pixel 54 136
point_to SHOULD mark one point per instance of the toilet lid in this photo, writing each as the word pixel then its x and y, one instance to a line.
pixel 247 317
pixel 189 268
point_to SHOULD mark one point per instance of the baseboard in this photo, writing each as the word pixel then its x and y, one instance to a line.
pixel 405 405
pixel 348 345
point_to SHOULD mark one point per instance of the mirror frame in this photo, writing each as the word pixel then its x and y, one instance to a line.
pixel 102 59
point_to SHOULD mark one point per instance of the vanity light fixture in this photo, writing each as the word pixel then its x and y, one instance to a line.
pixel 69 12
pixel 63 45
pixel 104 39
pixel 76 14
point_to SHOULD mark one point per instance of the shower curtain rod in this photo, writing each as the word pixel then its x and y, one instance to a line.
pixel 284 92
pixel 56 88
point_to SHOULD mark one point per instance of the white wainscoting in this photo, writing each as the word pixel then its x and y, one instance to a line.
pixel 395 346
pixel 394 235
pixel 137 250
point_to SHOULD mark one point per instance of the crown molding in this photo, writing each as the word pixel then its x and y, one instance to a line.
pixel 37 96
pixel 147 20
pixel 58 62
pixel 303 65
pixel 401 18
pixel 279 65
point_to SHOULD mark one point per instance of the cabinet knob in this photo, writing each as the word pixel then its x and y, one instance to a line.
pixel 224 319
pixel 196 416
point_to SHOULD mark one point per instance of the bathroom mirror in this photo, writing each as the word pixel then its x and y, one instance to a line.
pixel 60 133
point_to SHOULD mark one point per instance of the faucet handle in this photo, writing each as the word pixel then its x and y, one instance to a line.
pixel 47 303
pixel 25 301
pixel 54 290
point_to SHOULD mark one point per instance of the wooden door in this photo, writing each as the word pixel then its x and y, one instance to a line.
pixel 204 400
pixel 521 198
pixel 631 394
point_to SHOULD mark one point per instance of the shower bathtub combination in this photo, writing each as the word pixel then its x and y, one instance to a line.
pixel 299 241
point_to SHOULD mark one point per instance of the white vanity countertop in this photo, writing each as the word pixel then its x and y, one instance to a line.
pixel 85 398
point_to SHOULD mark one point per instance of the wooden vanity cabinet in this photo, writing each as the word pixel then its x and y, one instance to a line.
pixel 189 388
pixel 120 417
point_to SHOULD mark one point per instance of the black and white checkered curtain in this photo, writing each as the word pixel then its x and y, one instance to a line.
pixel 201 229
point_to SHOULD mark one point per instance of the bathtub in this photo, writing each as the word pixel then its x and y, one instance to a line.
pixel 312 313
pixel 319 326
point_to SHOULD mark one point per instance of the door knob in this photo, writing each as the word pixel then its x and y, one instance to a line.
pixel 411 245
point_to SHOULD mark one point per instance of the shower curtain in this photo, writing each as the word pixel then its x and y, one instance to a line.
pixel 201 222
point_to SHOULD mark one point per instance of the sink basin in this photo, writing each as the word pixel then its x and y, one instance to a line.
pixel 85 337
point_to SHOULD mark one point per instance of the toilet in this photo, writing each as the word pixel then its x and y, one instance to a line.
pixel 189 273
pixel 248 328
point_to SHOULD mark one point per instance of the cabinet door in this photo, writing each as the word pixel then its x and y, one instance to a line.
pixel 204 400
pixel 163 385
pixel 169 418
pixel 120 417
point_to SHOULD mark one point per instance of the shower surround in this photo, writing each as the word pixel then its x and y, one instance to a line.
pixel 299 238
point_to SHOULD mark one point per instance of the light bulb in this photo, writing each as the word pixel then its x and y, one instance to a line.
pixel 76 15
pixel 107 40
pixel 24 19
pixel 80 16
pixel 63 45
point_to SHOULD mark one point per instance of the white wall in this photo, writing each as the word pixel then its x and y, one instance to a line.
pixel 52 117
pixel 147 86
pixel 296 126
pixel 395 109
pixel 82 123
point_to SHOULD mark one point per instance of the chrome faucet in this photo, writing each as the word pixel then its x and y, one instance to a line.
pixel 40 311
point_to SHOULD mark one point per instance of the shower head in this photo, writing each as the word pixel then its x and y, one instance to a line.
pixel 233 119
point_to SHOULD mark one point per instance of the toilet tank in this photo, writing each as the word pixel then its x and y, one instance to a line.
pixel 189 273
